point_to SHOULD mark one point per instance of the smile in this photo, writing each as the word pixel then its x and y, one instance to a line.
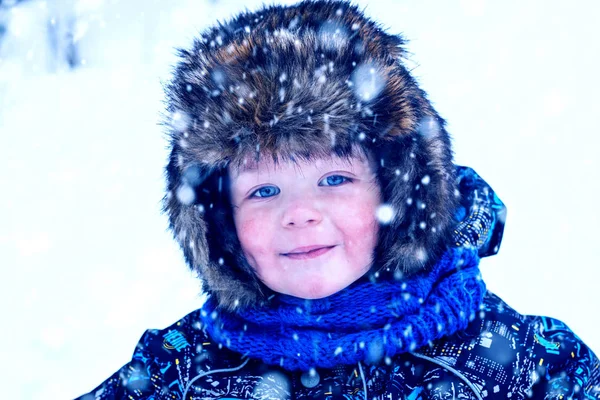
pixel 309 254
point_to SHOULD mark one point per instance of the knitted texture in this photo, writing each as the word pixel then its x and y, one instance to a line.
pixel 367 321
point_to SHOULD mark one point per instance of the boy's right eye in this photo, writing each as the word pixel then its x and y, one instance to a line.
pixel 265 191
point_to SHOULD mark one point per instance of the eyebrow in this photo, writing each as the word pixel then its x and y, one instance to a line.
pixel 251 165
pixel 241 168
pixel 247 167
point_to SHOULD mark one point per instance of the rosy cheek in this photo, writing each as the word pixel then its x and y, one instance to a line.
pixel 247 231
pixel 360 215
pixel 254 233
pixel 368 225
pixel 361 225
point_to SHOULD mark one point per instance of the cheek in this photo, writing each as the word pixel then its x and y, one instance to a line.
pixel 367 225
pixel 360 223
pixel 253 232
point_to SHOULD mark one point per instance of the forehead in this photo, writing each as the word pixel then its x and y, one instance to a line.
pixel 357 163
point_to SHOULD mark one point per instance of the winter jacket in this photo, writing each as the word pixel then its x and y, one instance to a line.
pixel 501 354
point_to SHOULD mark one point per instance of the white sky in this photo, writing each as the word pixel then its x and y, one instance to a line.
pixel 87 263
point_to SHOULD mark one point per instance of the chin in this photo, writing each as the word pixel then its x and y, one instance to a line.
pixel 316 290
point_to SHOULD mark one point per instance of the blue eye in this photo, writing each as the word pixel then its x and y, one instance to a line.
pixel 265 191
pixel 335 180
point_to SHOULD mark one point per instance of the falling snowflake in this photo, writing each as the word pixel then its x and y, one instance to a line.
pixel 367 82
pixel 186 195
pixel 429 128
pixel 310 379
pixel 333 36
pixel 180 121
pixel 218 76
pixel 421 255
pixel 375 351
pixel 385 214
pixel 272 385
pixel 193 175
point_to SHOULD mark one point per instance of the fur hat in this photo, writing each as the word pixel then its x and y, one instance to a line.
pixel 299 82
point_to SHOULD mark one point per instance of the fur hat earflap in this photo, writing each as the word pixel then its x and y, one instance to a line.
pixel 303 81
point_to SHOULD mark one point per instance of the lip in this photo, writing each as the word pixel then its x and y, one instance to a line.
pixel 307 252
pixel 306 249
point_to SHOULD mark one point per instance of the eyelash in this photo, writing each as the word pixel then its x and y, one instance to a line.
pixel 345 180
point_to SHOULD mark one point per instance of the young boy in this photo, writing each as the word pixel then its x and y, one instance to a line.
pixel 312 188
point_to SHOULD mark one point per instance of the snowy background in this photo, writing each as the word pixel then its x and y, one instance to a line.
pixel 87 263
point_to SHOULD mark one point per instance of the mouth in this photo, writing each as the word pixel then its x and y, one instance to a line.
pixel 305 253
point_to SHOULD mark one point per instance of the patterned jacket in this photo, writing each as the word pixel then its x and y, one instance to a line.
pixel 501 354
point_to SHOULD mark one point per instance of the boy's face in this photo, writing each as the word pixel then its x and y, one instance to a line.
pixel 307 229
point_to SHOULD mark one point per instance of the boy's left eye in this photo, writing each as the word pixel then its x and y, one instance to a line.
pixel 335 180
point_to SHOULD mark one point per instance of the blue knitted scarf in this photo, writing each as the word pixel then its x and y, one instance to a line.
pixel 367 321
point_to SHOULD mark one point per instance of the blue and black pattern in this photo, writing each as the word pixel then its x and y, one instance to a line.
pixel 481 214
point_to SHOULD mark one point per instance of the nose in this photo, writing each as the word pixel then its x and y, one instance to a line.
pixel 301 213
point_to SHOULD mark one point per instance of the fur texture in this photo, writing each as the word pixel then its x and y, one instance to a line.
pixel 299 82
